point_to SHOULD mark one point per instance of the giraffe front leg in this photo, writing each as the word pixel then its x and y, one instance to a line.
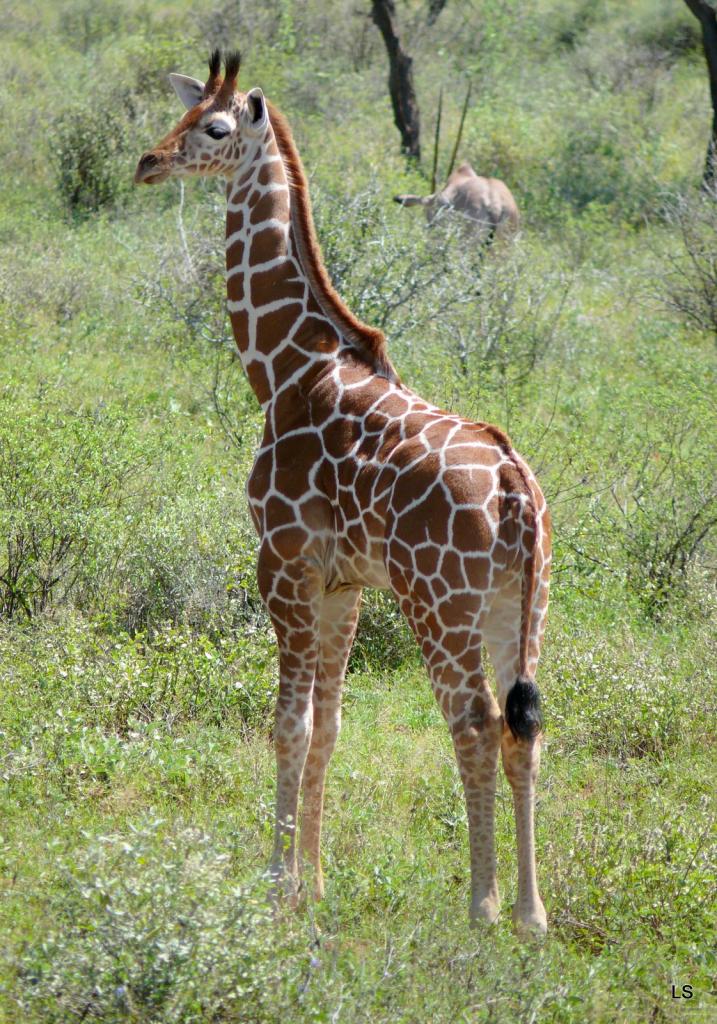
pixel 292 736
pixel 339 617
pixel 293 595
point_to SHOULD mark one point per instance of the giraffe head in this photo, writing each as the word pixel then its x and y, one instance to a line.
pixel 215 134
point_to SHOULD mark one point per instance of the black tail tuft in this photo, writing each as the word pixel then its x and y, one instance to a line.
pixel 522 709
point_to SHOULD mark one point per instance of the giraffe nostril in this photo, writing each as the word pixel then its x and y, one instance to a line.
pixel 148 161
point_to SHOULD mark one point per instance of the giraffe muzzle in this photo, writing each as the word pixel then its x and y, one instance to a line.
pixel 150 170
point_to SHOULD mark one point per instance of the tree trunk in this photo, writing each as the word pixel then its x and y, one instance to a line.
pixel 434 9
pixel 400 79
pixel 707 17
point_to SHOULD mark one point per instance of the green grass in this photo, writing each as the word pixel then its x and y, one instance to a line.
pixel 138 820
pixel 136 763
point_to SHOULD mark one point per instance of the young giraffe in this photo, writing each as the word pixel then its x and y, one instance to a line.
pixel 359 482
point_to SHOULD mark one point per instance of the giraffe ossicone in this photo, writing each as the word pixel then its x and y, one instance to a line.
pixel 360 482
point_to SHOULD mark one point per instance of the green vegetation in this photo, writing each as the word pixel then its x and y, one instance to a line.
pixel 138 668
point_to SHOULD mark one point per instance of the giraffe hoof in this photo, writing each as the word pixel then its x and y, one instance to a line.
pixel 485 911
pixel 530 925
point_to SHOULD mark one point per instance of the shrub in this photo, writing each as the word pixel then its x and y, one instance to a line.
pixel 439 296
pixel 569 23
pixel 667 514
pixel 383 638
pixel 656 515
pixel 190 284
pixel 89 147
pixel 85 24
pixel 151 926
pixel 597 165
pixel 192 564
pixel 399 277
pixel 669 32
pixel 688 285
pixel 114 683
pixel 615 699
pixel 64 479
pixel 516 318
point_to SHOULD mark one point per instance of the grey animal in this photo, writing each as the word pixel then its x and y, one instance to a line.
pixel 487 204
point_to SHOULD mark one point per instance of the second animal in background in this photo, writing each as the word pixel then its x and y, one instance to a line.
pixel 486 204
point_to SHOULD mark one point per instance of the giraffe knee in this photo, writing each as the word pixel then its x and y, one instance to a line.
pixel 293 724
pixel 521 762
pixel 327 725
pixel 481 722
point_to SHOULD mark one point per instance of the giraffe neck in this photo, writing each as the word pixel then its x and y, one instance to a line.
pixel 281 332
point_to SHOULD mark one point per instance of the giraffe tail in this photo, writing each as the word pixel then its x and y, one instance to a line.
pixel 522 710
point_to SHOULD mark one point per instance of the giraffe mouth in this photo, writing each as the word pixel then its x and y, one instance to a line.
pixel 150 177
pixel 150 171
pixel 154 179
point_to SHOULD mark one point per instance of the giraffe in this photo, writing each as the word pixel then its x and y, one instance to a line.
pixel 358 482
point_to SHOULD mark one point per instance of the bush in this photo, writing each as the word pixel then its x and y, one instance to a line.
pixel 151 926
pixel 669 32
pixel 89 150
pixel 383 638
pixel 688 285
pixel 667 516
pixel 569 23
pixel 64 490
pixel 114 683
pixel 193 564
pixel 188 281
pixel 598 165
pixel 86 24
pixel 652 514
pixel 615 699
pixel 441 298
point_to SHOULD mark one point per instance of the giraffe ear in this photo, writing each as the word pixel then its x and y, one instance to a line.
pixel 189 90
pixel 256 110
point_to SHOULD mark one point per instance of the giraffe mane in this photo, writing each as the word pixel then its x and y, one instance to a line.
pixel 368 342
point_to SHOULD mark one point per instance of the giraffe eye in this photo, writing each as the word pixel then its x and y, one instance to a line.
pixel 215 131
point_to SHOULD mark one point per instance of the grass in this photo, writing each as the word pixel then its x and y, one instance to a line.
pixel 136 760
pixel 136 843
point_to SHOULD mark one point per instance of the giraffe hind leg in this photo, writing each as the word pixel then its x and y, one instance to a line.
pixel 519 700
pixel 474 720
